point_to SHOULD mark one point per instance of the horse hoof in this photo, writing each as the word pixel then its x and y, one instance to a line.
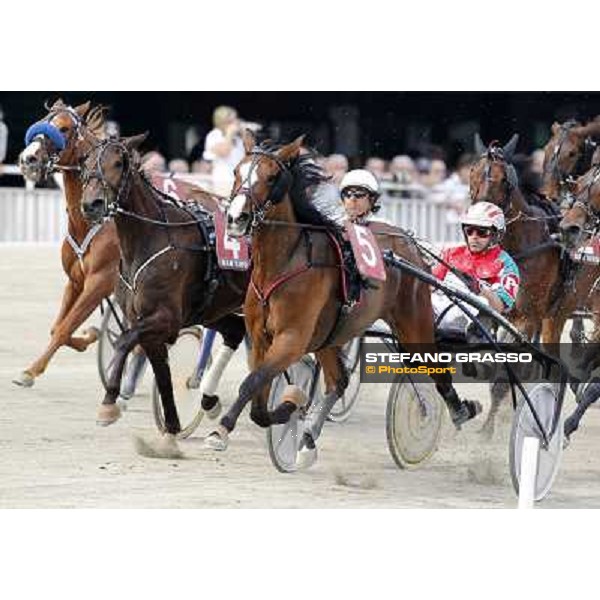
pixel 217 440
pixel 91 334
pixel 108 414
pixel 25 379
pixel 165 447
pixel 122 403
pixel 295 395
pixel 306 458
pixel 214 412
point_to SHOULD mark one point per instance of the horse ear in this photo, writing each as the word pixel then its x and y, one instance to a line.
pixel 82 109
pixel 555 127
pixel 134 142
pixel 290 150
pixel 249 140
pixel 510 148
pixel 479 145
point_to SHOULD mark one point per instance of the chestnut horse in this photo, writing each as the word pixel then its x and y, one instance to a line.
pixel 294 304
pixel 546 297
pixel 89 254
pixel 168 267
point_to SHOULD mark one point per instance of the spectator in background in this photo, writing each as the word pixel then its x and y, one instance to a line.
pixel 224 148
pixel 434 179
pixel 377 166
pixel 153 162
pixel 336 166
pixel 3 136
pixel 456 188
pixel 403 170
pixel 179 165
pixel 202 167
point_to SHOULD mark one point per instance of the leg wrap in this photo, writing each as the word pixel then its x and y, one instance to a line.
pixel 211 378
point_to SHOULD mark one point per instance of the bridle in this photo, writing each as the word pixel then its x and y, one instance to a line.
pixel 495 155
pixel 592 215
pixel 112 205
pixel 55 140
pixel 259 209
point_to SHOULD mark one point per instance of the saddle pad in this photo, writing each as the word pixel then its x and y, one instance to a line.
pixel 232 253
pixel 367 253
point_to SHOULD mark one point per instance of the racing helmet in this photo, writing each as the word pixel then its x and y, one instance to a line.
pixel 361 178
pixel 485 214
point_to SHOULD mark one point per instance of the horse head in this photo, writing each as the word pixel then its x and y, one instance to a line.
pixel 106 174
pixel 262 180
pixel 60 139
pixel 493 177
pixel 584 211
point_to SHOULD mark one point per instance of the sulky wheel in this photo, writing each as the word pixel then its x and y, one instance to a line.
pixel 343 408
pixel 413 422
pixel 543 397
pixel 283 441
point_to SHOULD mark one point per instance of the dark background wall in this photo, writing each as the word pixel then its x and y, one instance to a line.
pixel 359 124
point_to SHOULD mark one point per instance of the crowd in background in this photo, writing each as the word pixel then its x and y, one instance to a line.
pixel 424 176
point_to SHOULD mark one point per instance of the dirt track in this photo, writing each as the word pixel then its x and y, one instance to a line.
pixel 54 455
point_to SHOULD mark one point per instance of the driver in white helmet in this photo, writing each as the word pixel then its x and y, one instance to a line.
pixel 481 265
pixel 359 190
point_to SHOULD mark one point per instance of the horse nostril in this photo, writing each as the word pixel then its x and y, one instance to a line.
pixel 31 160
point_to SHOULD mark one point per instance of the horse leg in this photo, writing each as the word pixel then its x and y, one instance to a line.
pixel 336 381
pixel 287 348
pixel 158 356
pixel 232 328
pixel 94 290
pixel 109 411
pixel 590 395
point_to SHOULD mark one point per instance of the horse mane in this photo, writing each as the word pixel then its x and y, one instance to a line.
pixel 307 176
pixel 95 118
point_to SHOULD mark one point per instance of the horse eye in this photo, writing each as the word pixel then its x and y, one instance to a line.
pixel 64 129
pixel 119 164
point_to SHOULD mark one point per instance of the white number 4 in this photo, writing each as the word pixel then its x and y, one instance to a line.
pixel 232 245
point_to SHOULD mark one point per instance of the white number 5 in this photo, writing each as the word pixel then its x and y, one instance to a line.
pixel 367 251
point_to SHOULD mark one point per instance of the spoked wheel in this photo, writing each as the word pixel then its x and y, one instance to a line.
pixel 183 357
pixel 344 406
pixel 413 422
pixel 543 397
pixel 110 330
pixel 283 441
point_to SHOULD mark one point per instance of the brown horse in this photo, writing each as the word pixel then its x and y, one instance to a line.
pixel 169 269
pixel 89 254
pixel 546 298
pixel 581 221
pixel 567 155
pixel 294 304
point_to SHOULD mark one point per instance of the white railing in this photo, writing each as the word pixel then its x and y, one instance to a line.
pixel 428 220
pixel 38 215
pixel 32 215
